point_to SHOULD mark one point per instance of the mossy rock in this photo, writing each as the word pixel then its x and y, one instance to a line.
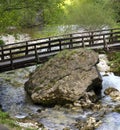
pixel 64 78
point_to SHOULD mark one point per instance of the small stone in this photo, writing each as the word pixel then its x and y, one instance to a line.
pixel 97 124
pixel 2 127
pixel 77 104
pixel 66 128
pixel 109 90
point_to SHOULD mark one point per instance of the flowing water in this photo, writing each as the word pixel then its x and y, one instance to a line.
pixel 14 99
pixel 111 121
pixel 16 102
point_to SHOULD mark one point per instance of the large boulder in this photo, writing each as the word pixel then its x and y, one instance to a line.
pixel 64 78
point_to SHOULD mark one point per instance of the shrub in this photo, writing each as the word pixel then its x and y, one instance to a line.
pixel 115 62
pixel 2 42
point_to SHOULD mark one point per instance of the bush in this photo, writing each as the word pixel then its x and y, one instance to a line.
pixel 2 42
pixel 114 58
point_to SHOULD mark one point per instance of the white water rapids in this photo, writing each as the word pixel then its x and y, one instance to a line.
pixel 110 121
pixel 109 79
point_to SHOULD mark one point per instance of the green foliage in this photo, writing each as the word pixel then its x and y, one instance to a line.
pixel 28 13
pixel 3 115
pixel 91 14
pixel 67 54
pixel 2 42
pixel 116 7
pixel 115 62
pixel 5 119
pixel 10 123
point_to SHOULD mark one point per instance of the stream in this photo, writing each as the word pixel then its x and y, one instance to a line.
pixel 17 103
pixel 110 121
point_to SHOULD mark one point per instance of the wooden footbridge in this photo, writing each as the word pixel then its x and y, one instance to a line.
pixel 27 53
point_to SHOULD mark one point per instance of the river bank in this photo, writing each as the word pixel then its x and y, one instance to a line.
pixel 114 58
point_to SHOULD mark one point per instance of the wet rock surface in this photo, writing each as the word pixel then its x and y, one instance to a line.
pixel 64 78
pixel 113 93
pixel 2 127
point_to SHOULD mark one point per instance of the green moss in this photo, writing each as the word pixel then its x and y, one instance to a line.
pixel 117 110
pixel 9 122
pixel 66 54
pixel 114 58
pixel 5 119
pixel 37 89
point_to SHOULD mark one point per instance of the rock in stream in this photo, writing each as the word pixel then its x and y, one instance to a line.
pixel 64 78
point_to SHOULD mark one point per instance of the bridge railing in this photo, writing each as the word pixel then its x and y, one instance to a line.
pixel 33 50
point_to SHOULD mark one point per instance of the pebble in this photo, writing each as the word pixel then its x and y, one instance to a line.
pixel 3 127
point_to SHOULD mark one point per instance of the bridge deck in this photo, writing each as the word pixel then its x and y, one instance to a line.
pixel 31 52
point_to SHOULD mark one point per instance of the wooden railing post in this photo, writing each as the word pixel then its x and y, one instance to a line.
pixel 71 45
pixel 36 54
pixel 49 45
pixel 11 59
pixel 26 53
pixel 2 53
pixel 105 43
pixel 91 39
pixel 111 36
pixel 60 47
pixel 83 43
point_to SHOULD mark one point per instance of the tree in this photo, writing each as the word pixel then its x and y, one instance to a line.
pixel 27 12
pixel 91 14
pixel 116 7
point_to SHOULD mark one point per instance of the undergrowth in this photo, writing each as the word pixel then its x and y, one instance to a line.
pixel 9 122
pixel 114 58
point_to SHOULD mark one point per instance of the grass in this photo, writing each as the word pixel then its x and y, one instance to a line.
pixel 9 122
pixel 117 25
